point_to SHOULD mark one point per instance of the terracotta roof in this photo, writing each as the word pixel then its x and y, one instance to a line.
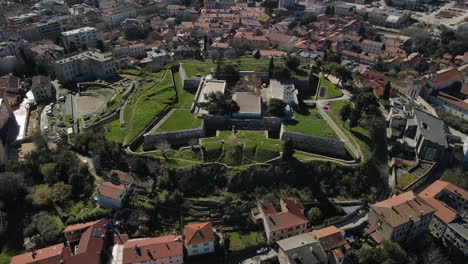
pixel 272 53
pixel 48 255
pixel 284 220
pixel 79 226
pixel 445 76
pixel 267 208
pixel 91 245
pixel 151 249
pixel 338 253
pixel 198 233
pixel 330 237
pixel 9 82
pixel 444 211
pixel 279 37
pixel 453 100
pixel 402 208
pixel 294 207
pixel 110 190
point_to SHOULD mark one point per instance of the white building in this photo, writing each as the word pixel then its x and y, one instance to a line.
pixel 371 46
pixel 199 239
pixel 114 16
pixel 86 36
pixel 109 195
pixel 301 249
pixel 284 91
pixel 86 65
pixel 134 51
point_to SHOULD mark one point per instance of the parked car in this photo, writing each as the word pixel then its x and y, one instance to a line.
pixel 262 250
pixel 360 212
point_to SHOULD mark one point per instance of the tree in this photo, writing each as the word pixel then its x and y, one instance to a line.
pixel 282 73
pixel 292 62
pixel 12 187
pixel 389 2
pixel 217 104
pixel 354 118
pixel 48 170
pixel 256 55
pixel 228 73
pixel 288 149
pixel 271 68
pixel 60 192
pixel 163 146
pixel 315 215
pixel 456 176
pixel 276 107
pixel 386 93
pixel 341 73
pixel 329 68
pixel 345 112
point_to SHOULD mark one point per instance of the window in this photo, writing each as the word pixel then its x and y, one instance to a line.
pixel 194 246
pixel 205 244
pixel 195 251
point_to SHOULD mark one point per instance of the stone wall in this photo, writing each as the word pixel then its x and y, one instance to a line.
pixel 314 144
pixel 151 141
pixel 112 116
pixel 226 123
pixel 189 84
pixel 89 84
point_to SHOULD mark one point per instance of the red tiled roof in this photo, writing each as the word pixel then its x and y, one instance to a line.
pixel 110 190
pixel 377 237
pixel 146 250
pixel 91 245
pixel 271 53
pixel 330 237
pixel 48 255
pixel 79 226
pixel 267 208
pixel 453 100
pixel 402 208
pixel 338 253
pixel 198 233
pixel 294 207
pixel 439 186
pixel 284 220
pixel 9 82
pixel 445 76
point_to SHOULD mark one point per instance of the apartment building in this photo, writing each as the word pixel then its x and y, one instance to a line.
pixel 82 37
pixel 450 221
pixel 42 88
pixel 301 249
pixel 134 51
pixel 199 238
pixel 280 225
pixel 401 218
pixel 86 65
pixel 114 16
pixel 371 46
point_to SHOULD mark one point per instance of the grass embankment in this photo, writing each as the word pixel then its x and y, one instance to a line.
pixel 241 240
pixel 245 147
pixel 332 91
pixel 184 98
pixel 145 105
pixel 405 180
pixel 358 135
pixel 179 120
pixel 309 121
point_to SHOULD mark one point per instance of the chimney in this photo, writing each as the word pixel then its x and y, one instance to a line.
pixel 138 250
pixel 33 254
pixel 149 253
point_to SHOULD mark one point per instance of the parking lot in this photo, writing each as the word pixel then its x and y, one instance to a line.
pixel 449 15
pixel 354 66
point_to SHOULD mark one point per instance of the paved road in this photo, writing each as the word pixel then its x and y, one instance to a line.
pixel 355 149
pixel 91 167
pixel 353 222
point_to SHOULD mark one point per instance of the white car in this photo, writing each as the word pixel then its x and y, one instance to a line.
pixel 262 250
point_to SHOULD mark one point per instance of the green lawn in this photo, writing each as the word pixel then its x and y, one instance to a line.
pixel 308 121
pixel 184 98
pixel 406 180
pixel 113 103
pixel 143 74
pixel 332 91
pixel 241 240
pixel 189 155
pixel 243 148
pixel 144 106
pixel 359 135
pixel 6 255
pixel 180 120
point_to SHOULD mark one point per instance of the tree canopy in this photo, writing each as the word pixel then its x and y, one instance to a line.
pixel 276 107
pixel 217 104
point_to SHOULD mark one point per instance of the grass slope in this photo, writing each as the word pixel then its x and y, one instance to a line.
pixel 309 122
pixel 179 120
pixel 332 91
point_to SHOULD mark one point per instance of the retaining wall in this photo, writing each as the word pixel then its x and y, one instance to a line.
pixel 89 84
pixel 226 123
pixel 151 141
pixel 109 118
pixel 189 84
pixel 326 146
